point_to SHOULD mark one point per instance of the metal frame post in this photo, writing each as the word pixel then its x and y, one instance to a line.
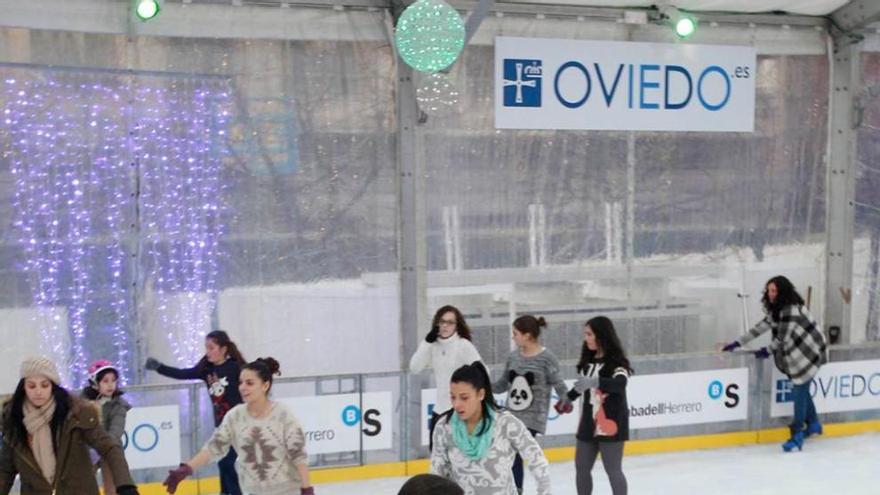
pixel 840 180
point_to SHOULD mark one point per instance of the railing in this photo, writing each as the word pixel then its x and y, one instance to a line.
pixel 196 422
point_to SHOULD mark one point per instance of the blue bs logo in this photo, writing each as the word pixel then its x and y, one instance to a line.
pixel 351 416
pixel 731 391
pixel 784 391
pixel 522 82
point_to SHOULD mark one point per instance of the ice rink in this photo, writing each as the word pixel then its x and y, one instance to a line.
pixel 826 466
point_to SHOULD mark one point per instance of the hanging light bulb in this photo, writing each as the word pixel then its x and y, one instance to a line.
pixel 146 9
pixel 429 35
pixel 436 93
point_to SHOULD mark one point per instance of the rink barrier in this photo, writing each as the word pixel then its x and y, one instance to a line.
pixel 558 454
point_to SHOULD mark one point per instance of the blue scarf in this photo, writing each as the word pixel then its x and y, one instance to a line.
pixel 474 446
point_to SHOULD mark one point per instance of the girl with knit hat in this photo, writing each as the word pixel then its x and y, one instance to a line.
pixel 104 391
pixel 47 434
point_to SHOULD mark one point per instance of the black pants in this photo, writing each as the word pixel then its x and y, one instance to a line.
pixel 228 476
pixel 518 467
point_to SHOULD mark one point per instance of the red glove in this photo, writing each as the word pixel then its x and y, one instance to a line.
pixel 563 407
pixel 307 491
pixel 175 476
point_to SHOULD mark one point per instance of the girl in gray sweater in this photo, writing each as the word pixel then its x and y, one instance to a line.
pixel 532 371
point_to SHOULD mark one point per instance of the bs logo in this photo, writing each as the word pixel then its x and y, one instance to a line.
pixel 716 388
pixel 351 415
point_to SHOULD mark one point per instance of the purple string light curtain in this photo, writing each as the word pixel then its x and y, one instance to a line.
pixel 117 193
pixel 180 144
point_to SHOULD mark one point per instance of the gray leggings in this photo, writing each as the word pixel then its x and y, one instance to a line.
pixel 612 456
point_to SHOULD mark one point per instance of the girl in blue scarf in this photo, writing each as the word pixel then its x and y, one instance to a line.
pixel 475 443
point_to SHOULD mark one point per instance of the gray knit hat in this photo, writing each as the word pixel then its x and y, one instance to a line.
pixel 430 484
pixel 39 365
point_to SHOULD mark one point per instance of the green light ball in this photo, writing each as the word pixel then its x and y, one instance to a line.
pixel 429 35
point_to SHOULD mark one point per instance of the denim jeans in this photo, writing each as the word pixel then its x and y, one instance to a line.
pixel 804 408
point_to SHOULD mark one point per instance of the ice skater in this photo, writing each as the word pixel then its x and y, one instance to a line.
pixel 475 443
pixel 604 425
pixel 274 459
pixel 446 348
pixel 529 375
pixel 103 389
pixel 47 434
pixel 798 348
pixel 219 368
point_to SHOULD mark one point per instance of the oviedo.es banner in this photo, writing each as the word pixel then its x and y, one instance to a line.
pixel 843 386
pixel 667 399
pixel 607 85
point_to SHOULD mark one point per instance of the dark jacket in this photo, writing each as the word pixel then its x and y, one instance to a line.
pixel 222 382
pixel 605 404
pixel 113 412
pixel 74 473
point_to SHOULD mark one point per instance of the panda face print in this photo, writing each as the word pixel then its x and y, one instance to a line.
pixel 519 396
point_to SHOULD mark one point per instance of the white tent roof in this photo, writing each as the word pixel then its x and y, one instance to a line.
pixel 805 7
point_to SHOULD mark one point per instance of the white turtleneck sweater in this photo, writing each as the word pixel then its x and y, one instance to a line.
pixel 444 356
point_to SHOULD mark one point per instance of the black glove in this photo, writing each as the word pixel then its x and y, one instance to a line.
pixel 152 364
pixel 127 490
pixel 573 395
pixel 731 346
pixel 307 491
pixel 432 335
pixel 762 353
pixel 175 476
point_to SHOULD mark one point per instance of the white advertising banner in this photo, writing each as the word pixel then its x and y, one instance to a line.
pixel 152 437
pixel 609 85
pixel 841 386
pixel 667 399
pixel 333 423
pixel 694 397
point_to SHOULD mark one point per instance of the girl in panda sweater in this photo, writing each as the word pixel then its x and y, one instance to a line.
pixel 528 377
pixel 604 424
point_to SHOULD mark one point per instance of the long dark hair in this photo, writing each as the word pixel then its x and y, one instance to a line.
pixel 13 414
pixel 606 337
pixel 222 339
pixel 461 326
pixel 477 376
pixel 265 368
pixel 786 295
pixel 528 324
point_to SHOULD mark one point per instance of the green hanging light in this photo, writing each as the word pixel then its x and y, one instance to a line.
pixel 429 35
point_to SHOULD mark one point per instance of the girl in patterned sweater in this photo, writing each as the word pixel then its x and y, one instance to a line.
pixel 219 369
pixel 273 458
pixel 475 443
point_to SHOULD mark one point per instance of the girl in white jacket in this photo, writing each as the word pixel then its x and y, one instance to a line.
pixel 446 348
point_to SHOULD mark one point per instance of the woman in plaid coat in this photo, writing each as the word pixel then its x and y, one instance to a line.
pixel 798 348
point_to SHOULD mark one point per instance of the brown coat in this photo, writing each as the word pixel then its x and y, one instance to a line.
pixel 74 473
